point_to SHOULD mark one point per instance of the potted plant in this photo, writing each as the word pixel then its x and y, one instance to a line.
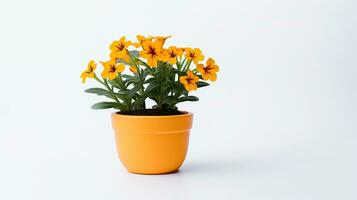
pixel 150 141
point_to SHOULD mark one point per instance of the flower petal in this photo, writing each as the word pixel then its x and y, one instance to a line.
pixel 152 62
pixel 210 62
pixel 213 77
pixel 183 80
pixel 200 69
pixel 120 67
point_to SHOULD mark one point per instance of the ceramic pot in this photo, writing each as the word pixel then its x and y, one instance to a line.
pixel 152 144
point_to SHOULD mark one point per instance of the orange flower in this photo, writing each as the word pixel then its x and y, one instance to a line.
pixel 119 49
pixel 111 69
pixel 89 72
pixel 141 39
pixel 189 81
pixel 162 39
pixel 194 54
pixel 171 54
pixel 209 71
pixel 152 51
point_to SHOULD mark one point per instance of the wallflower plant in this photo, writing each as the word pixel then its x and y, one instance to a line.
pixel 164 75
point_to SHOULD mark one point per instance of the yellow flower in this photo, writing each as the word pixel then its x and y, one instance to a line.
pixel 89 72
pixel 133 69
pixel 152 51
pixel 119 49
pixel 194 54
pixel 141 40
pixel 189 81
pixel 111 69
pixel 171 54
pixel 209 71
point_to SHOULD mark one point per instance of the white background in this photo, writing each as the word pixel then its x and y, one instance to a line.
pixel 280 122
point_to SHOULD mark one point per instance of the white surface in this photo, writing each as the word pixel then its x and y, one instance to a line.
pixel 280 122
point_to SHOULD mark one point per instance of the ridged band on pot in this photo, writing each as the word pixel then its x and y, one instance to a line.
pixel 152 144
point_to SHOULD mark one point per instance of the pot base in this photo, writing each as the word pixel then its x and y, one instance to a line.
pixel 152 153
pixel 163 173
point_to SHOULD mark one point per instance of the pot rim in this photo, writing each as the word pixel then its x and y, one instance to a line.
pixel 186 114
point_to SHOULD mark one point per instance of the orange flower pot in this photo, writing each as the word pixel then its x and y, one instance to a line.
pixel 152 144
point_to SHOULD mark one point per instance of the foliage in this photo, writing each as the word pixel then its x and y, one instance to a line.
pixel 157 73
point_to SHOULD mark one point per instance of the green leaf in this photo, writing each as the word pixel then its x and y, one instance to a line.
pixel 170 100
pixel 139 103
pixel 97 91
pixel 185 92
pixel 134 90
pixel 127 76
pixel 147 72
pixel 123 92
pixel 188 98
pixel 152 86
pixel 116 84
pixel 134 53
pixel 122 61
pixel 101 92
pixel 131 80
pixel 153 94
pixel 202 84
pixel 149 80
pixel 180 73
pixel 106 105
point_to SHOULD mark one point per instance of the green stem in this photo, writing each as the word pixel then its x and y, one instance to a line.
pixel 182 63
pixel 143 63
pixel 119 80
pixel 187 66
pixel 127 101
pixel 107 86
pixel 141 91
pixel 136 65
pixel 97 79
pixel 177 63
